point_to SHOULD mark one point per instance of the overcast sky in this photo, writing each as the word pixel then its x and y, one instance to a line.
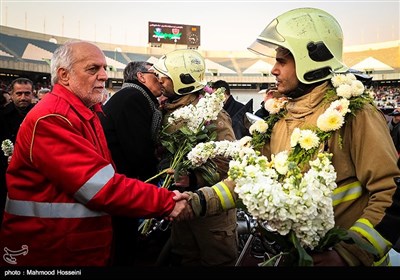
pixel 225 25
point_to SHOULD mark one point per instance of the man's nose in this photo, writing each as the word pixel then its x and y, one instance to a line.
pixel 103 74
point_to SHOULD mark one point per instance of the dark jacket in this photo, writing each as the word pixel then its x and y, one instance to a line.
pixel 395 133
pixel 127 122
pixel 10 121
pixel 262 112
pixel 232 106
pixel 236 111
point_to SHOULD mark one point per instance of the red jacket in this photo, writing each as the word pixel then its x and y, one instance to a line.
pixel 62 186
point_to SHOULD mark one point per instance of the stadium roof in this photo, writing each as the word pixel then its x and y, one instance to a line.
pixel 19 46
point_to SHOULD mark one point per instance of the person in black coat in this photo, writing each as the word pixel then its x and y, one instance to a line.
pixel 131 121
pixel 11 117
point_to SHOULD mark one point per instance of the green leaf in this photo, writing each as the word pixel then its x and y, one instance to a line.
pixel 332 237
pixel 304 258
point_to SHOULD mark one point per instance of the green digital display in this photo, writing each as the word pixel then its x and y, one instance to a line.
pixel 169 33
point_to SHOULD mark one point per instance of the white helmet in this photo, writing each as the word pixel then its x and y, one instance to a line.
pixel 314 38
pixel 186 68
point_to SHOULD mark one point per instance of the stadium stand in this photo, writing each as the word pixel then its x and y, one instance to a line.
pixel 28 53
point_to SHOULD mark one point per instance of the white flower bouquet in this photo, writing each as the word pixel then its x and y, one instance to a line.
pixel 194 123
pixel 8 147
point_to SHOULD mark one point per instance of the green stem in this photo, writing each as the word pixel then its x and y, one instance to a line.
pixel 157 175
pixel 176 160
pixel 182 151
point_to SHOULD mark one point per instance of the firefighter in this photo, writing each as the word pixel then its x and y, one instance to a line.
pixel 307 44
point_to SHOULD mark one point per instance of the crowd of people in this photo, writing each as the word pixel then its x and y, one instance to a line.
pixel 75 188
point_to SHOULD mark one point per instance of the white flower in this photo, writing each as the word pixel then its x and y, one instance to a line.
pixel 259 126
pixel 280 162
pixel 357 88
pixel 350 78
pixel 330 120
pixel 8 147
pixel 308 139
pixel 207 109
pixel 303 206
pixel 344 91
pixel 341 105
pixel 275 105
pixel 245 141
pixel 294 138
pixel 338 80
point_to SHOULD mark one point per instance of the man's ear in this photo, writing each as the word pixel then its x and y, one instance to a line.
pixel 63 76
pixel 140 77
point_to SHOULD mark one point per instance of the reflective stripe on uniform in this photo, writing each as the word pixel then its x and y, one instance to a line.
pixel 347 192
pixel 365 228
pixel 49 210
pixel 224 195
pixel 385 261
pixel 94 184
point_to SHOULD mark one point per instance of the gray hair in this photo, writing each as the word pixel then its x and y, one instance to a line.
pixel 62 58
pixel 133 67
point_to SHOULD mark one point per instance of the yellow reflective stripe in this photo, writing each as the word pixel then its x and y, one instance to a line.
pixel 385 261
pixel 94 184
pixel 49 210
pixel 224 195
pixel 347 192
pixel 366 229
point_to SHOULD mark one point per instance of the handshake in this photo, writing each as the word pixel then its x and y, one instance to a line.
pixel 183 209
pixel 204 202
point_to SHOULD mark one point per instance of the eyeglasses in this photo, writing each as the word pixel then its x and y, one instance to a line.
pixel 148 72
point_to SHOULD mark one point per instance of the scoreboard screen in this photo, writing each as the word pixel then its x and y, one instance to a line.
pixel 170 33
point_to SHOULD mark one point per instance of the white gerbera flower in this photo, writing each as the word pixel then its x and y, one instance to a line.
pixel 330 120
pixel 308 139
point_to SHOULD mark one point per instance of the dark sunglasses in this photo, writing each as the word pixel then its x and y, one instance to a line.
pixel 147 72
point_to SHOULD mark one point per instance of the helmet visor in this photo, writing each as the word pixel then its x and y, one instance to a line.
pixel 263 48
pixel 268 41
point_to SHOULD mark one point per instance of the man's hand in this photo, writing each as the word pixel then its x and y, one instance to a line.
pixel 182 210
